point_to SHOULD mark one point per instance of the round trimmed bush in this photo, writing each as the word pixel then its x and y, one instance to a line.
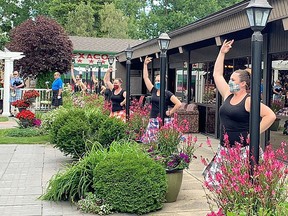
pixel 130 181
pixel 111 129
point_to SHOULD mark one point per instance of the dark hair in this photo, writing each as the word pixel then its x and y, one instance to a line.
pixel 244 75
pixel 119 79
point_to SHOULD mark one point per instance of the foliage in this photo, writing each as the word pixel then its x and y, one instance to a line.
pixel 171 148
pixel 49 117
pixel 81 20
pixel 26 132
pixel 30 94
pixel 92 204
pixel 3 119
pixel 70 131
pixel 129 180
pixel 77 179
pixel 111 129
pixel 45 45
pixel 139 119
pixel 5 139
pixel 20 103
pixel 113 22
pixel 44 77
pixel 4 39
pixel 235 191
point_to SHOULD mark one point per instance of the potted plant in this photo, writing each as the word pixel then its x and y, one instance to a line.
pixel 20 104
pixel 26 118
pixel 31 95
pixel 175 152
pixel 276 106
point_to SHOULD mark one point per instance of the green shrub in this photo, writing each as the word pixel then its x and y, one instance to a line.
pixel 70 131
pixel 130 181
pixel 25 132
pixel 49 117
pixel 111 129
pixel 77 180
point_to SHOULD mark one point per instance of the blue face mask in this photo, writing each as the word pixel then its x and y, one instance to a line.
pixel 157 85
pixel 233 86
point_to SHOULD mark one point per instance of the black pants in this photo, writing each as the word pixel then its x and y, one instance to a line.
pixel 55 101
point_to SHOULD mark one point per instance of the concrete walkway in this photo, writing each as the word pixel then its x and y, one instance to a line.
pixel 26 169
pixel 11 123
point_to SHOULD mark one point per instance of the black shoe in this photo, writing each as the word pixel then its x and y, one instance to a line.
pixel 11 115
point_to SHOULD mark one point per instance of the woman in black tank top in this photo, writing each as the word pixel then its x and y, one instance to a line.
pixel 235 110
pixel 78 84
pixel 118 96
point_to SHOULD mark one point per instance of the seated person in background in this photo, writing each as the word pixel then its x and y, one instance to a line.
pixel 277 90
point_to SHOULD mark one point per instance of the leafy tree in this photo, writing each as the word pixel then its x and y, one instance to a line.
pixel 45 45
pixel 14 12
pixel 4 38
pixel 80 22
pixel 113 22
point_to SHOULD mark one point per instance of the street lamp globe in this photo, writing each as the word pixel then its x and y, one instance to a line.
pixel 99 63
pixel 111 59
pixel 258 12
pixel 87 67
pixel 128 52
pixel 164 41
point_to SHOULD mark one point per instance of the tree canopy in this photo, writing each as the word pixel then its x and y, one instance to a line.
pixel 45 44
pixel 144 18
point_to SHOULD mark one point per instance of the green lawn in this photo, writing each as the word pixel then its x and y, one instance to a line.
pixel 4 139
pixel 3 119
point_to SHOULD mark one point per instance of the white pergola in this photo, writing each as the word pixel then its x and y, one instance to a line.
pixel 9 58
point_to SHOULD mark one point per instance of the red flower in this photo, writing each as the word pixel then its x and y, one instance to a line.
pixel 20 103
pixel 30 94
pixel 25 114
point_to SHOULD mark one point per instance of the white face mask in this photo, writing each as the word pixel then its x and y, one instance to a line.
pixel 233 86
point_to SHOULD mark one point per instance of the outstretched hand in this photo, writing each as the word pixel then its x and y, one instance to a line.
pixel 147 60
pixel 227 45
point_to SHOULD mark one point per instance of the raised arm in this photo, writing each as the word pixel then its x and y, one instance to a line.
pixel 72 73
pixel 147 81
pixel 177 105
pixel 220 82
pixel 94 78
pixel 107 79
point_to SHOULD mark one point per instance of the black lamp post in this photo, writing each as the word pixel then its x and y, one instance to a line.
pixel 128 53
pixel 110 60
pixel 99 64
pixel 86 75
pixel 164 41
pixel 91 81
pixel 258 12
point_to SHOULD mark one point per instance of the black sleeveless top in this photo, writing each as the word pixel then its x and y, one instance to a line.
pixel 77 88
pixel 116 100
pixel 155 103
pixel 234 120
pixel 107 94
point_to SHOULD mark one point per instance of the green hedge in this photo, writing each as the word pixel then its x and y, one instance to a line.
pixel 130 181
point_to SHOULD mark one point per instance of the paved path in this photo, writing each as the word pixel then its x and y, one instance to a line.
pixel 11 123
pixel 25 170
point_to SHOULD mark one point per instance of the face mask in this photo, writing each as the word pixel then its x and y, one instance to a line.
pixel 116 86
pixel 157 85
pixel 233 87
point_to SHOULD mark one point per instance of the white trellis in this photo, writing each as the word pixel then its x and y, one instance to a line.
pixel 9 58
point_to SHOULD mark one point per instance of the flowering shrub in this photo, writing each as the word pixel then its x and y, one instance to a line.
pixel 171 148
pixel 20 103
pixel 236 192
pixel 30 94
pixel 139 118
